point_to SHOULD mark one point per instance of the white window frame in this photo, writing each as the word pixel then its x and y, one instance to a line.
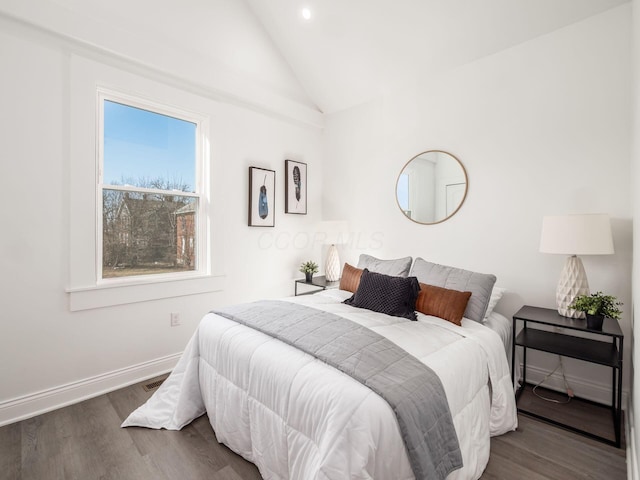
pixel 202 262
pixel 86 290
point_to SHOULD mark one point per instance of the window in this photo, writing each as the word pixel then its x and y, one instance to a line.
pixel 150 190
pixel 97 280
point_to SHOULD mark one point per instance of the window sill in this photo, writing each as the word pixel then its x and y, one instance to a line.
pixel 108 295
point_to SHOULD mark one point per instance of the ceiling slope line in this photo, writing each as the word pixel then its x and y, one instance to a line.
pixel 278 108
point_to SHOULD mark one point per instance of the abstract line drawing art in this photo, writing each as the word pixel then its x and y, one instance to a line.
pixel 295 197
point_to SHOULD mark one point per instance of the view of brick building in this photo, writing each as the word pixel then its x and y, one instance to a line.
pixel 185 235
pixel 150 231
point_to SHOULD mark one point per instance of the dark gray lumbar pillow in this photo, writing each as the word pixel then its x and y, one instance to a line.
pixel 398 267
pixel 479 284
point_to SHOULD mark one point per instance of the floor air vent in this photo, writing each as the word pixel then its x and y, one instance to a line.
pixel 148 387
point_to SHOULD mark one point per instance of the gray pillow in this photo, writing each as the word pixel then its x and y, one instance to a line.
pixel 397 268
pixel 479 284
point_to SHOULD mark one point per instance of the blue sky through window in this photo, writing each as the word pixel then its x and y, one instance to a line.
pixel 140 146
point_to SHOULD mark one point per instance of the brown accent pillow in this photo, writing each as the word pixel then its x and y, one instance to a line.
pixel 350 278
pixel 442 302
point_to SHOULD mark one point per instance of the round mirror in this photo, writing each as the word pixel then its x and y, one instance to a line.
pixel 431 187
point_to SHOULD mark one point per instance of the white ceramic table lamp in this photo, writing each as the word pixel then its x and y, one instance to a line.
pixel 336 234
pixel 575 235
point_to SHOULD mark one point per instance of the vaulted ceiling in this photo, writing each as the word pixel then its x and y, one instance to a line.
pixel 352 50
pixel 347 53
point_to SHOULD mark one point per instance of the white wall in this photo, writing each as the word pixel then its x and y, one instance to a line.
pixel 50 355
pixel 216 43
pixel 634 404
pixel 542 128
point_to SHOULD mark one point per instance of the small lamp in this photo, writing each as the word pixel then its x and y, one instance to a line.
pixel 335 235
pixel 575 235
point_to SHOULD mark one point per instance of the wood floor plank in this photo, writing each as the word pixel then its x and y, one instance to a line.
pixel 94 446
pixel 228 473
pixel 502 467
pixel 85 442
pixel 42 444
pixel 556 453
pixel 188 454
pixel 246 470
pixel 528 464
pixel 135 468
pixel 571 413
pixel 168 450
pixel 11 452
pixel 97 447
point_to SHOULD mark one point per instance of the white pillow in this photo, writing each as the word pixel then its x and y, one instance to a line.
pixel 496 295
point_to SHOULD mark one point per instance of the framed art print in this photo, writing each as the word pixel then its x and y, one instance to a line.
pixel 295 186
pixel 262 186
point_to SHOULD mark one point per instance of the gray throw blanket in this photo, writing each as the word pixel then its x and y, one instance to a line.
pixel 412 389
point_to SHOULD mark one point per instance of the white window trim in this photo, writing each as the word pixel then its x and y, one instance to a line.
pixel 86 288
pixel 87 298
pixel 200 187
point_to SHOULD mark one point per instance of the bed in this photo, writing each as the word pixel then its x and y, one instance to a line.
pixel 296 417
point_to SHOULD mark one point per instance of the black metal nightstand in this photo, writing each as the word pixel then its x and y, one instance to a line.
pixel 607 352
pixel 320 282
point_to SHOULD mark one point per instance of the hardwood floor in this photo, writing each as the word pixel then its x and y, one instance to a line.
pixel 85 442
pixel 538 451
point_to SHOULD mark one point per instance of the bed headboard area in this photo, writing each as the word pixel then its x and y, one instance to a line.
pixel 483 294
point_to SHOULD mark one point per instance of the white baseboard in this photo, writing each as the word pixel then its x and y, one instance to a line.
pixel 27 406
pixel 596 392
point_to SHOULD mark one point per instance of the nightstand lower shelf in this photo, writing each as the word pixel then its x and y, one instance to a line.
pixel 581 416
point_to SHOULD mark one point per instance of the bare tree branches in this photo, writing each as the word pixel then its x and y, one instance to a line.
pixel 141 228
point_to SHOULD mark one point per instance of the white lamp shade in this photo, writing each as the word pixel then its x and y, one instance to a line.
pixel 577 235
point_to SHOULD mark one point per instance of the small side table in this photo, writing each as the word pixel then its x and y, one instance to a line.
pixel 320 283
pixel 606 351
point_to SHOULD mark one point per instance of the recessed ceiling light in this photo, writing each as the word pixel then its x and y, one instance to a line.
pixel 306 13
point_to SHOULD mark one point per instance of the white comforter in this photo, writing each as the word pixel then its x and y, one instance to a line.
pixel 300 419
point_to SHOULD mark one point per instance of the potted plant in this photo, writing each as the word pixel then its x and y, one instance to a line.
pixel 597 306
pixel 309 268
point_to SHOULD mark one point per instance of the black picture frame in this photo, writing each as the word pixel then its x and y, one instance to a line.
pixel 262 197
pixel 295 187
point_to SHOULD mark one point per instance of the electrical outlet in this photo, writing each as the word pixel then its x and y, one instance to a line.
pixel 175 319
